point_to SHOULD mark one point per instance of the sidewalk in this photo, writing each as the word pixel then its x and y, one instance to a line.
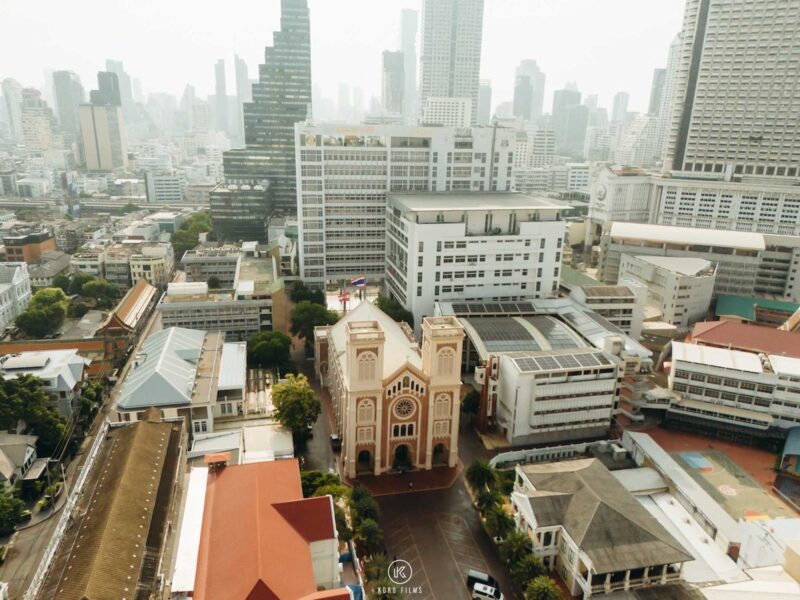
pixel 388 484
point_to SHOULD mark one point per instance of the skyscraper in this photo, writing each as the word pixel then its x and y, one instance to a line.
pixel 620 108
pixel 244 91
pixel 393 81
pixel 125 87
pixel 12 96
pixel 656 92
pixel 485 102
pixel 220 97
pixel 408 46
pixel 69 94
pixel 451 50
pixel 38 123
pixel 107 91
pixel 562 101
pixel 736 101
pixel 103 141
pixel 260 178
pixel 528 90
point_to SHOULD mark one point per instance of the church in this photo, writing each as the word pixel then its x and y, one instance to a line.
pixel 396 405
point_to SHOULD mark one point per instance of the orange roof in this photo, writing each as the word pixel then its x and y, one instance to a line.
pixel 746 337
pixel 256 533
pixel 134 304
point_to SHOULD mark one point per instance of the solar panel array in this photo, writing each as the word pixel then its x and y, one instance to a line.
pixel 503 334
pixel 483 308
pixel 533 364
pixel 558 335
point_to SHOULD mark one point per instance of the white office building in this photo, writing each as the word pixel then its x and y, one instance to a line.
pixel 735 101
pixel 680 288
pixel 345 172
pixel 15 291
pixel 749 264
pixel 450 61
pixel 486 246
pixel 165 187
pixel 734 391
pixel 620 305
pixel 447 112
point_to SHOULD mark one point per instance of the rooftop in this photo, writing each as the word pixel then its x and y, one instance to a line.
pixel 682 265
pixel 506 334
pixel 717 357
pixel 750 338
pixel 256 533
pixel 607 291
pixel 461 201
pixel 688 235
pixel 745 307
pixel 600 515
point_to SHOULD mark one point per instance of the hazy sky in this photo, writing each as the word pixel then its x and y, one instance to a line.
pixel 603 45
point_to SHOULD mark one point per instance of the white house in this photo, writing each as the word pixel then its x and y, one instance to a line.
pixel 60 370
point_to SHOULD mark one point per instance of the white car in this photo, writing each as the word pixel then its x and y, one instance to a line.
pixel 486 592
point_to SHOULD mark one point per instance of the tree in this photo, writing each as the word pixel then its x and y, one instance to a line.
pixel 306 316
pixel 24 398
pixel 486 499
pixel 542 588
pixel 188 234
pixel 45 313
pixel 300 292
pixel 516 546
pixel 471 403
pixel 363 509
pixel 525 570
pixel 370 536
pixel 296 405
pixel 269 349
pixel 481 476
pixel 395 310
pixel 106 294
pixel 314 479
pixel 213 282
pixel 345 533
pixel 61 281
pixel 76 281
pixel 498 522
pixel 129 208
pixel 11 509
pixel 77 309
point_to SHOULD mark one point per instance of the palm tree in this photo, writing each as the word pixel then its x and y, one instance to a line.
pixel 481 476
pixel 498 522
pixel 542 588
pixel 525 570
pixel 515 547
pixel 485 499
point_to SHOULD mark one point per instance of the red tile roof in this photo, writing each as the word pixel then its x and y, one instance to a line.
pixel 256 532
pixel 749 338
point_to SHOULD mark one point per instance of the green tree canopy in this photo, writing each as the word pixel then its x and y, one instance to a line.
pixel 481 476
pixel 498 522
pixel 269 349
pixel 471 403
pixel 314 479
pixel 106 294
pixel 486 498
pixel 11 508
pixel 515 547
pixel 306 316
pixel 394 309
pixel 24 398
pixel 188 234
pixel 296 405
pixel 213 282
pixel 370 536
pixel 300 292
pixel 45 313
pixel 526 569
pixel 542 588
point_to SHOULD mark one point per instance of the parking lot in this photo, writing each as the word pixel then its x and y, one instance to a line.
pixel 439 535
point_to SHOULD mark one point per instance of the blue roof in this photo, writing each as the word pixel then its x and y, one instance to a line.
pixel 792 445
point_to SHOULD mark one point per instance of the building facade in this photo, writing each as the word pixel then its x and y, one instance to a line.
pixel 488 246
pixel 450 62
pixel 104 143
pixel 15 291
pixel 345 173
pixel 447 112
pixel 393 82
pixel 620 305
pixel 395 405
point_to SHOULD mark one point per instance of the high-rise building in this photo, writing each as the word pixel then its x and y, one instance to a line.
pixel 69 94
pixel 107 91
pixel 39 128
pixel 12 95
pixel 448 112
pixel 343 180
pixel 244 92
pixel 408 46
pixel 393 80
pixel 485 102
pixel 528 90
pixel 736 100
pixel 667 105
pixel 281 98
pixel 220 97
pixel 103 141
pixel 125 87
pixel 619 110
pixel 451 50
pixel 656 92
pixel 562 101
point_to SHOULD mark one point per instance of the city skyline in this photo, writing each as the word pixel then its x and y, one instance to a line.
pixel 513 30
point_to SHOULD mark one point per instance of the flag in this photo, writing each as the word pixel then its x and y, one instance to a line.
pixel 359 281
pixel 344 296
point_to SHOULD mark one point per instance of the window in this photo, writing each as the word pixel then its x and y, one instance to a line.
pixel 366 365
pixel 445 362
pixel 441 428
pixel 366 411
pixel 364 435
pixel 404 430
pixel 441 407
pixel 404 408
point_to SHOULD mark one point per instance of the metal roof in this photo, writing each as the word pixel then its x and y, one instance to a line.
pixel 717 357
pixel 688 235
pixel 490 335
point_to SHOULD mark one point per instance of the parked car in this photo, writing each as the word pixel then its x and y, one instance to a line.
pixel 485 592
pixel 474 576
pixel 336 442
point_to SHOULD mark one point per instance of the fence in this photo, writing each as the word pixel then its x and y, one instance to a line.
pixel 534 455
pixel 66 515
